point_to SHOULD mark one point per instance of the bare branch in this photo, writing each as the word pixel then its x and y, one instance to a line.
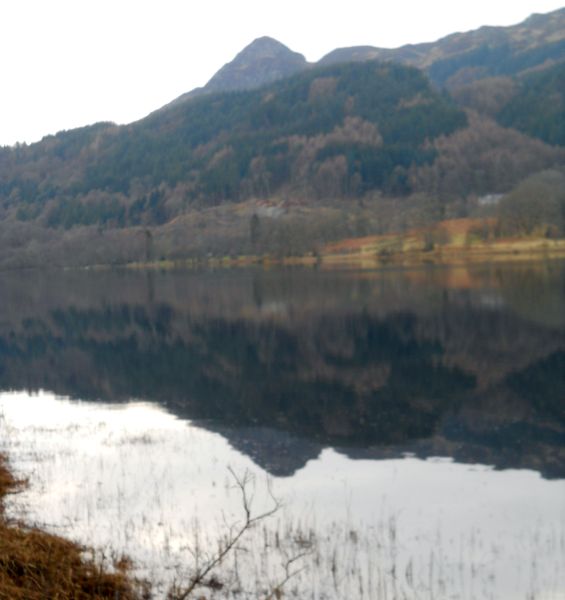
pixel 233 537
pixel 276 591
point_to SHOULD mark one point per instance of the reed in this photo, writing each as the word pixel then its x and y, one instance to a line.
pixel 37 565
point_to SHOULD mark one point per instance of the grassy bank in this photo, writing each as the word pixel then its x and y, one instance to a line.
pixel 37 565
pixel 451 242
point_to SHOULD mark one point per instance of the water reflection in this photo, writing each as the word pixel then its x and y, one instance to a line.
pixel 463 363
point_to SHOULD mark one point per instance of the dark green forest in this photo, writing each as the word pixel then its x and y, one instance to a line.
pixel 538 108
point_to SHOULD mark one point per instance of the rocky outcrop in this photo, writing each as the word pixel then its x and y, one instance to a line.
pixel 263 61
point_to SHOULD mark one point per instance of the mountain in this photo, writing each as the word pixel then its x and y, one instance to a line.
pixel 263 61
pixel 277 156
pixel 460 58
pixel 454 60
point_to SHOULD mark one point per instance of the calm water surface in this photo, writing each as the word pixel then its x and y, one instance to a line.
pixel 410 422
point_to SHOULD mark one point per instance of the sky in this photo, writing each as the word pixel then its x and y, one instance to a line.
pixel 70 63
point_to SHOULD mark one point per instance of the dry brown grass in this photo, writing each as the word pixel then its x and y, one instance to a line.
pixel 448 241
pixel 35 565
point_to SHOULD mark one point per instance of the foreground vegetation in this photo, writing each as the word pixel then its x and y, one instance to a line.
pixel 35 565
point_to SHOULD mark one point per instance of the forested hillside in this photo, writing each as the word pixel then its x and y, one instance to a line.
pixel 533 103
pixel 337 132
pixel 538 107
pixel 277 156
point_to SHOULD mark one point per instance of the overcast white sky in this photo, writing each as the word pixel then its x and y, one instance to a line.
pixel 68 63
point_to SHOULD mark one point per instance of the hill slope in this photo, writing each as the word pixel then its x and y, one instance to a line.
pixel 336 132
pixel 538 107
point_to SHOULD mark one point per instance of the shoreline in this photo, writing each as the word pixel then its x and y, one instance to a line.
pixel 35 564
pixel 375 256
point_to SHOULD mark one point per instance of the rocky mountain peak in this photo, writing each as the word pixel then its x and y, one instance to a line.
pixel 261 62
pixel 265 46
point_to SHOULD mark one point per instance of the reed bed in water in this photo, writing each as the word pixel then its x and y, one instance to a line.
pixel 37 565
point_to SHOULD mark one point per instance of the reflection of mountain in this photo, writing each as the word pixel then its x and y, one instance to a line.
pixel 284 364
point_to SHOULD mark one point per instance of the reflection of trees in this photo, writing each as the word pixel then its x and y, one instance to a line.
pixel 357 363
pixel 245 374
pixel 543 385
pixel 536 292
